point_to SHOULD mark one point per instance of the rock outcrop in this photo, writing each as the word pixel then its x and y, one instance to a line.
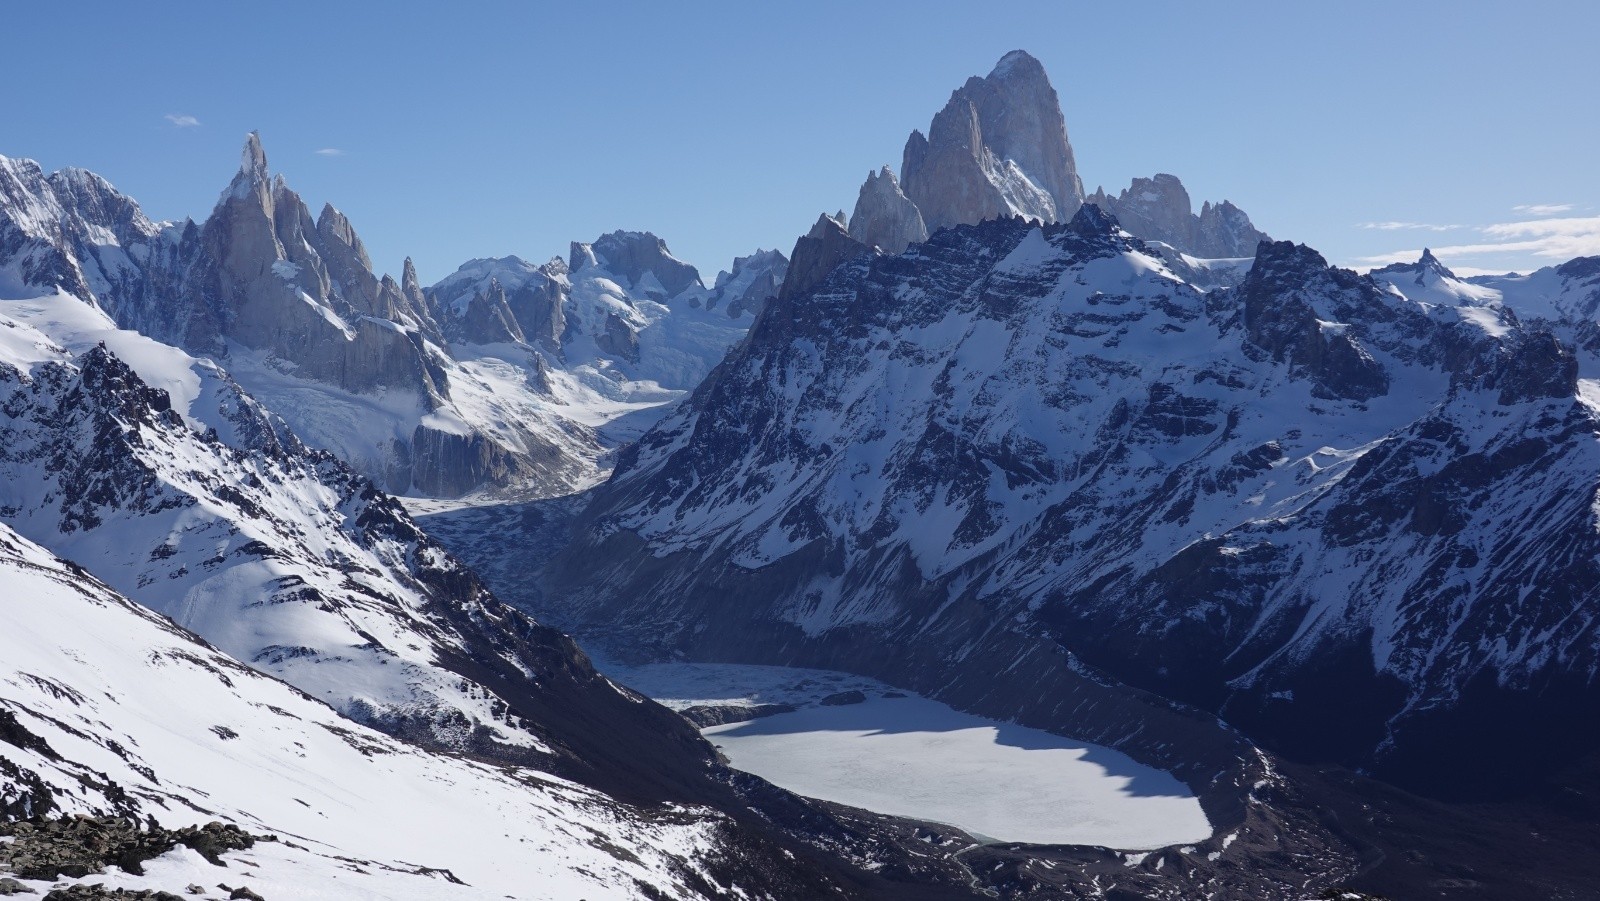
pixel 534 296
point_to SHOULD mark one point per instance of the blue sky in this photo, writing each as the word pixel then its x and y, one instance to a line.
pixel 1366 130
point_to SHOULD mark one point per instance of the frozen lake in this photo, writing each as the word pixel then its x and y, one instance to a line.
pixel 914 757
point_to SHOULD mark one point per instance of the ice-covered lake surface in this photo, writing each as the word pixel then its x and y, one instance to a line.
pixel 915 757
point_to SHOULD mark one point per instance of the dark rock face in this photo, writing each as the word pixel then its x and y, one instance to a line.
pixel 451 464
pixel 618 339
pixel 494 300
pixel 1279 320
pixel 537 306
pixel 1540 367
pixel 487 319
pixel 81 846
pixel 707 715
pixel 817 253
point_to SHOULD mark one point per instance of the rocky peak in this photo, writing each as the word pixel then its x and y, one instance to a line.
pixel 335 228
pixel 1285 264
pixel 1091 220
pixel 349 268
pixel 1225 232
pixel 1159 209
pixel 816 254
pixel 253 177
pixel 884 216
pixel 91 199
pixel 633 256
pixel 999 147
pixel 581 256
pixel 408 278
pixel 1431 263
pixel 1580 268
pixel 487 319
pixel 414 298
pixel 1022 121
pixel 533 295
pixel 752 281
pixel 1426 270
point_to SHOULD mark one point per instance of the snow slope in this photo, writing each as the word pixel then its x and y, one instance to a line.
pixel 91 679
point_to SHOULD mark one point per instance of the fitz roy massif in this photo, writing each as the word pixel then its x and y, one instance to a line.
pixel 1000 540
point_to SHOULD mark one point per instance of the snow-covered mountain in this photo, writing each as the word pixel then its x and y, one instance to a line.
pixel 1355 520
pixel 616 332
pixel 196 502
pixel 502 379
pixel 109 709
pixel 166 484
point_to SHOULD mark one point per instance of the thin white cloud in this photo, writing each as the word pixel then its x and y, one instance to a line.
pixel 1557 239
pixel 330 151
pixel 1540 210
pixel 1572 225
pixel 1384 259
pixel 1405 226
pixel 182 121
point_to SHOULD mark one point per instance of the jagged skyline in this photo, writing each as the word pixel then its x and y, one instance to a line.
pixel 446 140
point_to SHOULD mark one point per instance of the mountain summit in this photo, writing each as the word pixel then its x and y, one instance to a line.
pixel 999 147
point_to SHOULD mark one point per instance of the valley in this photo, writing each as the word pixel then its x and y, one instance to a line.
pixel 1001 539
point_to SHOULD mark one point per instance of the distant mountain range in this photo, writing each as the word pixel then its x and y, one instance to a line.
pixel 1102 465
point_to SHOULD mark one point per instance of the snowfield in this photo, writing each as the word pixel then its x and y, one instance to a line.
pixel 914 757
pixel 141 718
